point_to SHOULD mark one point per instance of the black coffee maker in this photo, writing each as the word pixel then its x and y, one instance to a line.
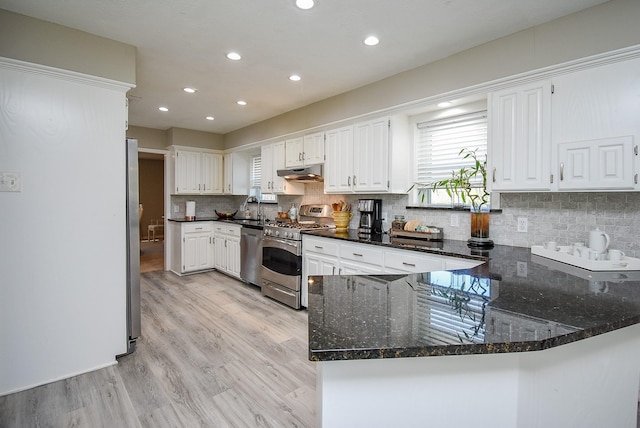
pixel 370 217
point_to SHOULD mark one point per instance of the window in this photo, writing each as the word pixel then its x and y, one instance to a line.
pixel 255 173
pixel 437 148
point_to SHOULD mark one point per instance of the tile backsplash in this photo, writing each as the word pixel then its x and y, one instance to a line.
pixel 562 217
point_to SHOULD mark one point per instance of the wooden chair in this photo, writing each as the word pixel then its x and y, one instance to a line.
pixel 155 230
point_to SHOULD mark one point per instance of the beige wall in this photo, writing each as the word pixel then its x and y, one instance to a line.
pixel 148 138
pixel 189 137
pixel 603 28
pixel 39 42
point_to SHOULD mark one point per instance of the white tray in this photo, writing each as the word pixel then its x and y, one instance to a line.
pixel 563 255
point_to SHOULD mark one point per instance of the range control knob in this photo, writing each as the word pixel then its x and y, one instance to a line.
pixel 277 233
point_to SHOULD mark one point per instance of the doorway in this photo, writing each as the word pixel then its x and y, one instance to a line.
pixel 151 173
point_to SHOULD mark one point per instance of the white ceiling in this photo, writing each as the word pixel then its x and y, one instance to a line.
pixel 184 42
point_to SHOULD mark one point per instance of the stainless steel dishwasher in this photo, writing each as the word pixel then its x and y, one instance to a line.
pixel 251 255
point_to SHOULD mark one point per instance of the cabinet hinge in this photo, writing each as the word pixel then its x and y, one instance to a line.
pixel 553 89
pixel 389 124
pixel 635 150
pixel 126 102
pixel 388 184
pixel 635 179
pixel 551 178
pixel 183 239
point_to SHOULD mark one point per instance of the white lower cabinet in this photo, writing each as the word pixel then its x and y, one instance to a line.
pixel 226 256
pixel 328 256
pixel 193 247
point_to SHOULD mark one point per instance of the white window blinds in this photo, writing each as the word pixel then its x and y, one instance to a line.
pixel 439 143
pixel 255 174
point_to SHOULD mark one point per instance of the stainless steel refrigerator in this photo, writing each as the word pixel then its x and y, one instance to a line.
pixel 133 246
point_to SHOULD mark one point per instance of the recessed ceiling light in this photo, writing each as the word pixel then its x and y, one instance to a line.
pixel 305 4
pixel 371 41
pixel 189 90
pixel 209 117
pixel 444 104
pixel 163 109
pixel 294 77
pixel 242 103
pixel 234 56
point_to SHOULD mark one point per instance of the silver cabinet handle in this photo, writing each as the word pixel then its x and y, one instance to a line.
pixel 333 270
pixel 304 155
pixel 349 181
pixel 318 247
pixel 561 171
pixel 357 255
pixel 299 156
pixel 354 180
pixel 494 175
pixel 409 264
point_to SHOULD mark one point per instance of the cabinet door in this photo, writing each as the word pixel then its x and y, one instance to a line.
pixel 596 165
pixel 338 165
pixel 211 173
pixel 294 153
pixel 220 252
pixel 597 103
pixel 278 162
pixel 520 138
pixel 371 156
pixel 227 166
pixel 187 172
pixel 266 157
pixel 197 254
pixel 350 267
pixel 233 256
pixel 315 264
pixel 313 149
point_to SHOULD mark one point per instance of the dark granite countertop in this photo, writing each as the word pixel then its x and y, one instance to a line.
pixel 250 223
pixel 514 302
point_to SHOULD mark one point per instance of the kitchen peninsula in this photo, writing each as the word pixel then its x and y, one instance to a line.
pixel 519 341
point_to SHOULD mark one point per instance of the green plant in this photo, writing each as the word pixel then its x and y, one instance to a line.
pixel 461 182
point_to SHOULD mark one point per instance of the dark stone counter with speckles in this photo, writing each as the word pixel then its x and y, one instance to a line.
pixel 514 302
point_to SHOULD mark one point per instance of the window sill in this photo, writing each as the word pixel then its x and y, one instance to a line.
pixel 442 208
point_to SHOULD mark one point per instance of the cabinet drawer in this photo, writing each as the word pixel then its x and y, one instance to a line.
pixel 321 246
pixel 411 261
pixel 197 227
pixel 362 253
pixel 232 230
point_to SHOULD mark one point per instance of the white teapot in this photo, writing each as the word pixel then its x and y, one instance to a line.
pixel 598 240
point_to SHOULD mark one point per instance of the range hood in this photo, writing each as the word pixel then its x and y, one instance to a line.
pixel 310 173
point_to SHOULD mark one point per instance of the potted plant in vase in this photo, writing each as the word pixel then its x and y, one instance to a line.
pixel 462 185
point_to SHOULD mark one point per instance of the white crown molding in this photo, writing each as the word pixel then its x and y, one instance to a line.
pixel 60 74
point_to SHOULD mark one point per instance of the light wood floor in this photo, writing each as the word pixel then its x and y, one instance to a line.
pixel 151 256
pixel 214 353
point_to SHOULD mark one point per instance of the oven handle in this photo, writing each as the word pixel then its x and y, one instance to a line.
pixel 292 246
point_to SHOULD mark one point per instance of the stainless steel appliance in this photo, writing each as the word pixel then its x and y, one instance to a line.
pixel 133 247
pixel 251 255
pixel 370 217
pixel 282 253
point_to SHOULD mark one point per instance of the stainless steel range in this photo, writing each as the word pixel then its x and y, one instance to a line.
pixel 282 253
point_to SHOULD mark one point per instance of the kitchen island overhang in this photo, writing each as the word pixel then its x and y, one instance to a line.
pixel 547 350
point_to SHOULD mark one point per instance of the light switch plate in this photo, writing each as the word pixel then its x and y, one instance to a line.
pixel 10 182
pixel 455 220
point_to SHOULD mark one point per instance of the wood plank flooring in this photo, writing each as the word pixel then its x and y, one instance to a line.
pixel 214 353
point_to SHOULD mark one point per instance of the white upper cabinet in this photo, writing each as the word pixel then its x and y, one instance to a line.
pixel 603 164
pixel 273 159
pixel 304 151
pixel 339 160
pixel 195 172
pixel 369 157
pixel 596 127
pixel 519 149
pixel 236 174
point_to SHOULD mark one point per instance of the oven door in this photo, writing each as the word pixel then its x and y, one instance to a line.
pixel 282 262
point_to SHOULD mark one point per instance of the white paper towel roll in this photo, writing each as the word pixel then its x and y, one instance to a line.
pixel 191 208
